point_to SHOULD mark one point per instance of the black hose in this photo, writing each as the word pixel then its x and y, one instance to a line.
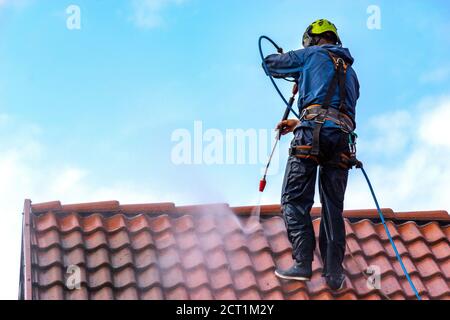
pixel 266 68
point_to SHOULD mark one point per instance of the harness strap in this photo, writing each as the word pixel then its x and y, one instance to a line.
pixel 342 71
pixel 303 152
pixel 338 79
pixel 339 118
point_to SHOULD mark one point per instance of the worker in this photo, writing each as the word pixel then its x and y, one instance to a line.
pixel 328 92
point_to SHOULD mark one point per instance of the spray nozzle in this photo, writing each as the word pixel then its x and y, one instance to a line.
pixel 262 185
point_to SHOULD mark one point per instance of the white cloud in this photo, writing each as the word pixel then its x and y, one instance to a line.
pixel 393 132
pixel 419 177
pixel 148 14
pixel 436 76
pixel 434 127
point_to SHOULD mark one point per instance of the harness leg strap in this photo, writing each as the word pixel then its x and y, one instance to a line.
pixel 316 139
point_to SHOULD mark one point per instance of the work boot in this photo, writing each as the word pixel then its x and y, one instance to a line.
pixel 335 282
pixel 300 272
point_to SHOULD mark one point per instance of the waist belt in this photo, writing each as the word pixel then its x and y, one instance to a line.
pixel 320 115
pixel 341 160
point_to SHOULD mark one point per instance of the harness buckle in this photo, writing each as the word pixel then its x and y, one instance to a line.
pixel 352 143
pixel 321 117
pixel 303 114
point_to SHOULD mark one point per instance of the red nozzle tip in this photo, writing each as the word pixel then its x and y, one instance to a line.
pixel 262 185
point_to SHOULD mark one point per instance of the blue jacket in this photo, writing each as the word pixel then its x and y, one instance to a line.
pixel 313 69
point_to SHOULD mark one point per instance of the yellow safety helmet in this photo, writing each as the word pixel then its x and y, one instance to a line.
pixel 316 28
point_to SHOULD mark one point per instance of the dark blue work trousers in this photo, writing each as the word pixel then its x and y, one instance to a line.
pixel 298 199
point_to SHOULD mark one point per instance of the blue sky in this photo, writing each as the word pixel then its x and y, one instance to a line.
pixel 87 115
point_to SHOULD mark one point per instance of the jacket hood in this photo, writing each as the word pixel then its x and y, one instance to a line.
pixel 342 52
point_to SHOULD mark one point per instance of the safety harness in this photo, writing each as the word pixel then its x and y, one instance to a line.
pixel 321 113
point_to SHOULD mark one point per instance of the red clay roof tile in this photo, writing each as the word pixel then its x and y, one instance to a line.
pixel 428 268
pixel 48 239
pixel 202 293
pixel 179 293
pixel 159 251
pixel 239 260
pixel 164 240
pixel 263 261
pixel 251 294
pixel 210 241
pixel 124 278
pixel 92 223
pixel 52 293
pixel 273 295
pixel 216 258
pixel 74 257
pixel 409 232
pixel 101 278
pixel 192 258
pixel 141 240
pixel 79 294
pixel 188 240
pixel 441 250
pixel 299 295
pixel 149 277
pixel 225 294
pixel 445 267
pixel 122 258
pixel 257 242
pixel 221 278
pixel 95 240
pixel 154 293
pixel 402 250
pixel 432 232
pixel 419 249
pixel 244 280
pixel 169 258
pixel 97 259
pixel 130 293
pixel 103 294
pixel 196 278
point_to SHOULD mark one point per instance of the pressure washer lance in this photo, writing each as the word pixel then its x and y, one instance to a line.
pixel 263 182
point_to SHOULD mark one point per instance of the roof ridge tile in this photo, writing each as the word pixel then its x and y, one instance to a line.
pixel 148 208
pixel 92 207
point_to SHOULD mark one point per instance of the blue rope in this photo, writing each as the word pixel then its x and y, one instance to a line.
pixel 399 258
pixel 266 68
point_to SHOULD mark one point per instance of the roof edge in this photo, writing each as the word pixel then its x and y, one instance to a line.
pixel 26 237
pixel 265 210
pixel 442 215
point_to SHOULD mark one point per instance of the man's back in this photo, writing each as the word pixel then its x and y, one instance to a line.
pixel 314 69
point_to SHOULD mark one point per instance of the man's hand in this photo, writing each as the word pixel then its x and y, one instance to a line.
pixel 287 126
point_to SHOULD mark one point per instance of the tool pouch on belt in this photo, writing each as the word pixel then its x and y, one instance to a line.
pixel 303 152
pixel 343 160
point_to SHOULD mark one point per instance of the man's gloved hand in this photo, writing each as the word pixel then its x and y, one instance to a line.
pixel 287 126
